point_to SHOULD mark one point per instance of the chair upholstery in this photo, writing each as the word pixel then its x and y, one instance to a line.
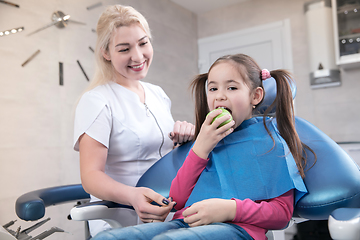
pixel 31 206
pixel 333 182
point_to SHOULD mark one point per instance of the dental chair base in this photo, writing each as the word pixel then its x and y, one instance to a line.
pixel 344 224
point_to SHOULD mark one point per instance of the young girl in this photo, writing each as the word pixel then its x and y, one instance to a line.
pixel 239 179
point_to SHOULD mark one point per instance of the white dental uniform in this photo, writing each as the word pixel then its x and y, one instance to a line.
pixel 136 134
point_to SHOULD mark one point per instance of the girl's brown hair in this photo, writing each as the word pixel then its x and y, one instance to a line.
pixel 251 73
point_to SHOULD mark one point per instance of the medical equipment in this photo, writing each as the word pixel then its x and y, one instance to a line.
pixel 7 234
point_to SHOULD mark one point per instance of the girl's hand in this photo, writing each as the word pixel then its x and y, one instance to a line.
pixel 210 211
pixel 210 134
pixel 182 133
pixel 141 199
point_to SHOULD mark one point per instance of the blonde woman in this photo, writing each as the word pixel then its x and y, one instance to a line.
pixel 122 124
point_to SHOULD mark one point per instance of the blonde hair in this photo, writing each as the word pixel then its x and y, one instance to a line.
pixel 112 18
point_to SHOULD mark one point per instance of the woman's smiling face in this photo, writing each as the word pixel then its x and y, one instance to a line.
pixel 226 88
pixel 130 52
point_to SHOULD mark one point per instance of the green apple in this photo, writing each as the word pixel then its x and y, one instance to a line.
pixel 224 112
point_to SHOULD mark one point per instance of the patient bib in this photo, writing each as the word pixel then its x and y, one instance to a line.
pixel 249 164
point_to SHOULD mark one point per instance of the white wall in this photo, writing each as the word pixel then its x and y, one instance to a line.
pixel 37 113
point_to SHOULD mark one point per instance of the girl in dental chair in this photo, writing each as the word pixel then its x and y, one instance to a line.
pixel 241 179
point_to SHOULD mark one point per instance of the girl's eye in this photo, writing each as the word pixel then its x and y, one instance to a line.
pixel 232 88
pixel 212 89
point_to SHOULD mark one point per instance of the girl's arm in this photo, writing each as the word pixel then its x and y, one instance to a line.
pixel 269 214
pixel 186 178
pixel 194 164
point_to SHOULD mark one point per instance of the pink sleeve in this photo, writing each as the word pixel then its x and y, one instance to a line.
pixel 186 178
pixel 269 214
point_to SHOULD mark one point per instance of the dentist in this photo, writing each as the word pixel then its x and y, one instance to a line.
pixel 122 124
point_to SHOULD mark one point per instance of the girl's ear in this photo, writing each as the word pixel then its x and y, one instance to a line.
pixel 105 54
pixel 257 96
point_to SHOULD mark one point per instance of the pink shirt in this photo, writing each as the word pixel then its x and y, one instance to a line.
pixel 255 217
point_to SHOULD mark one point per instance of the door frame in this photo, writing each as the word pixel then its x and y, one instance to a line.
pixel 277 33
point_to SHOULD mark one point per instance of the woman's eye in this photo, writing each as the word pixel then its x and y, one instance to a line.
pixel 143 43
pixel 124 50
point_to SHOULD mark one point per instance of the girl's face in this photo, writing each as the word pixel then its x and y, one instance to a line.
pixel 130 52
pixel 226 88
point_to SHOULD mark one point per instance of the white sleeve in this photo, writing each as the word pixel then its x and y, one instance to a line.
pixel 92 117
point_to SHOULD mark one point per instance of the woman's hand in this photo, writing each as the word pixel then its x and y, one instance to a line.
pixel 92 164
pixel 210 134
pixel 210 211
pixel 182 133
pixel 141 199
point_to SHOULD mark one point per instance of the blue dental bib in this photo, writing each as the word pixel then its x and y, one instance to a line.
pixel 249 164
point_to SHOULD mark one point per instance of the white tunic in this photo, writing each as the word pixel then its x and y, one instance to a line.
pixel 136 134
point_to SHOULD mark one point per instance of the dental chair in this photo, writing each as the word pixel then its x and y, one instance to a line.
pixel 333 184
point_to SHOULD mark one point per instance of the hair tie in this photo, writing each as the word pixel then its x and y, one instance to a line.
pixel 265 74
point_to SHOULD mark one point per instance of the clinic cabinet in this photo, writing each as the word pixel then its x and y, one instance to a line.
pixel 346 16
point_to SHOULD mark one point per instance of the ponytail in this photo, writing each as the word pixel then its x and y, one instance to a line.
pixel 285 118
pixel 198 86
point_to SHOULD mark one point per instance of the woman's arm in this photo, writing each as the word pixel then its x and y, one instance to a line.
pixel 94 180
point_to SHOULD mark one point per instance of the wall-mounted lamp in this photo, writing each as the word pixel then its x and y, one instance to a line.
pixel 11 31
pixel 324 71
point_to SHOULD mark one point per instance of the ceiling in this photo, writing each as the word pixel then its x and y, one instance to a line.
pixel 201 6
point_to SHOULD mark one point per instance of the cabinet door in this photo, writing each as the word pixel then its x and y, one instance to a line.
pixel 269 45
pixel 346 15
